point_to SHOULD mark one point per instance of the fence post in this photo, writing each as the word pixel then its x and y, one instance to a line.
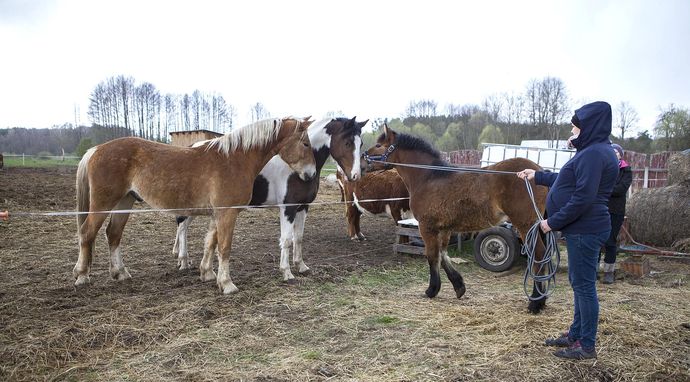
pixel 645 183
pixel 23 164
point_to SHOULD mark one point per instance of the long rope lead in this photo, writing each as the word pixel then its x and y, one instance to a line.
pixel 539 272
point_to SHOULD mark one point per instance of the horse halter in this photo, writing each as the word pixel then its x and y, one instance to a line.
pixel 379 158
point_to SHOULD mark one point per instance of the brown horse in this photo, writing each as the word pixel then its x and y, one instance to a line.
pixel 447 201
pixel 193 181
pixel 379 184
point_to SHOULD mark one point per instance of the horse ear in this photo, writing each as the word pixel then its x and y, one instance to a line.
pixel 362 124
pixel 388 133
pixel 305 119
pixel 304 126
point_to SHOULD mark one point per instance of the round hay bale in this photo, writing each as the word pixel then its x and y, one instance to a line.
pixel 679 169
pixel 660 216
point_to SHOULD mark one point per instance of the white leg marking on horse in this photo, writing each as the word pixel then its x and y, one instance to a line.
pixel 183 261
pixel 224 282
pixel 206 265
pixel 298 234
pixel 117 267
pixel 286 232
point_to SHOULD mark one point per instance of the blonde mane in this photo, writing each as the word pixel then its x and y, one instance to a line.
pixel 253 135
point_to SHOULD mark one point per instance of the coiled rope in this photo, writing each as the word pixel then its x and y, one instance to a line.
pixel 547 267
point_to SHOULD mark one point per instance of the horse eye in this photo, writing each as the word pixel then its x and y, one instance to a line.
pixel 378 145
pixel 348 144
pixel 305 144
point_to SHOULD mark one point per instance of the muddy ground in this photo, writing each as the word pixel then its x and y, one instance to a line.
pixel 359 315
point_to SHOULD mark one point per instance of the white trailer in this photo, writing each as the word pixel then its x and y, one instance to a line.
pixel 497 248
pixel 548 158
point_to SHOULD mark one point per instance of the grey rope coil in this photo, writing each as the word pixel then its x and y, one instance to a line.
pixel 549 263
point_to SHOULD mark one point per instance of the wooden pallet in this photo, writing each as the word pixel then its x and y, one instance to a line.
pixel 408 239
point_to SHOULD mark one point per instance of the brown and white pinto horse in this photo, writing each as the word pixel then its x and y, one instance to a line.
pixel 444 202
pixel 277 183
pixel 193 181
pixel 379 184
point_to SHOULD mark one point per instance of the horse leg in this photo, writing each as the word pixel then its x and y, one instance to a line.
pixel 180 246
pixel 538 300
pixel 87 238
pixel 453 274
pixel 225 226
pixel 298 235
pixel 206 265
pixel 113 232
pixel 358 235
pixel 286 233
pixel 431 251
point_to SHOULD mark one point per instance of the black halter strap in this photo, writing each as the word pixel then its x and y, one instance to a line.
pixel 379 158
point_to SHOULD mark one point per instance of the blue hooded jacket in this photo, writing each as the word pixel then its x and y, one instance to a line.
pixel 577 201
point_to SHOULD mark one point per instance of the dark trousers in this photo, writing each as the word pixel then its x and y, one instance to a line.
pixel 611 244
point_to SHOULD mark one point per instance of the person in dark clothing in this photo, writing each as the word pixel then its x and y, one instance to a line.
pixel 577 205
pixel 617 212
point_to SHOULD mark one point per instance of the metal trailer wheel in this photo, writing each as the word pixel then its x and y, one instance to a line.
pixel 496 249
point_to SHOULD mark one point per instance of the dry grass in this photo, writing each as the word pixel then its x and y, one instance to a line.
pixel 361 315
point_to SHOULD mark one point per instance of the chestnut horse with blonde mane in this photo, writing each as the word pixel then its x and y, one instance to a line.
pixel 452 201
pixel 213 179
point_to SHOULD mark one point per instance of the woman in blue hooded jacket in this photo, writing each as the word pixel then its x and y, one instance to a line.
pixel 577 205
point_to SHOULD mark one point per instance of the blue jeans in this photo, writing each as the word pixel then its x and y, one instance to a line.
pixel 583 255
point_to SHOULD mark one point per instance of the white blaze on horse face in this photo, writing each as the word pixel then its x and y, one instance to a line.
pixel 356 164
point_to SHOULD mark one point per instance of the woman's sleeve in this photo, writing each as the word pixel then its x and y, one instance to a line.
pixel 544 178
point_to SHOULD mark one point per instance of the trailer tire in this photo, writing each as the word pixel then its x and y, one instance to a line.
pixel 496 249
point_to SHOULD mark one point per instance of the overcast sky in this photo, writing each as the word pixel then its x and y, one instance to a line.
pixel 365 58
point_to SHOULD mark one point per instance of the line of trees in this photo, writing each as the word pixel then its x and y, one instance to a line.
pixel 120 107
pixel 141 110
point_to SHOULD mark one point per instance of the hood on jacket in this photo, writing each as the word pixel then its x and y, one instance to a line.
pixel 595 124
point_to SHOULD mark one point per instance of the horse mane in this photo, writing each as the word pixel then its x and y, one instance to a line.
pixel 256 134
pixel 412 143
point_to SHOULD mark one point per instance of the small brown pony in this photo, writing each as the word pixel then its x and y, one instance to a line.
pixel 444 202
pixel 193 181
pixel 379 184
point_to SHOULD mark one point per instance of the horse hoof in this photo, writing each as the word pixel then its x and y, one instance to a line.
pixel 207 276
pixel 305 272
pixel 82 281
pixel 431 292
pixel 120 275
pixel 460 291
pixel 183 266
pixel 291 281
pixel 230 289
pixel 536 306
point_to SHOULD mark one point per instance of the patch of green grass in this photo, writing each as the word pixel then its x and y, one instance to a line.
pixel 327 169
pixel 311 354
pixel 380 277
pixel 38 162
pixel 386 320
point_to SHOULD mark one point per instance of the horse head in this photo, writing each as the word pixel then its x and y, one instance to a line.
pixel 346 144
pixel 378 155
pixel 297 152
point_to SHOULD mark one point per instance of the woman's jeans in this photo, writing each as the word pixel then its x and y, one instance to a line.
pixel 612 242
pixel 583 255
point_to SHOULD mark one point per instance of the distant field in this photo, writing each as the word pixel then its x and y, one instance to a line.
pixel 32 161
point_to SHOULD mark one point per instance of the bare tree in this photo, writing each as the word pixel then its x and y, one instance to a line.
pixel 547 104
pixel 627 118
pixel 422 108
pixel 258 112
pixel 493 106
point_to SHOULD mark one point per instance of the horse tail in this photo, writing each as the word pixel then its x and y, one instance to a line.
pixel 83 189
